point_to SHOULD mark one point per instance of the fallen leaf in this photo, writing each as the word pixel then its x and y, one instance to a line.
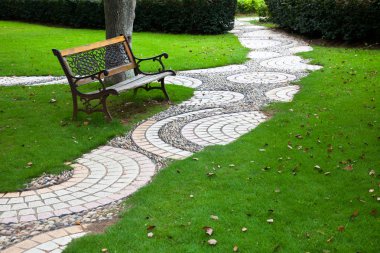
pixel 150 234
pixel 277 190
pixel 327 173
pixel 214 217
pixel 208 230
pixel 52 101
pixel 354 214
pixel 77 222
pixel 235 249
pixel 210 174
pixel 341 228
pixel 195 159
pixel 85 123
pixel 244 229
pixel 104 250
pixel 29 164
pixel 372 173
pixel 270 221
pixel 232 165
pixel 330 239
pixel 298 136
pixel 191 196
pixel 262 150
pixel 151 227
pixel 373 212
pixel 212 242
pixel 371 190
pixel 348 168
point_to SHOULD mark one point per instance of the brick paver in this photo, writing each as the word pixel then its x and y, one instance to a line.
pixel 100 177
pixel 53 242
pixel 221 129
pixel 284 94
pixel 292 63
pixel 261 77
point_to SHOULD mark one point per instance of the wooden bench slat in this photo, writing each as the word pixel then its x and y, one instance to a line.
pixel 134 82
pixel 85 48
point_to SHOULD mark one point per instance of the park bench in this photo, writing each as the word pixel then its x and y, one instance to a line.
pixel 100 60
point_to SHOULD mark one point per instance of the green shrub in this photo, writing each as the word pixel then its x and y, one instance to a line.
pixel 331 19
pixel 249 6
pixel 185 16
pixel 175 16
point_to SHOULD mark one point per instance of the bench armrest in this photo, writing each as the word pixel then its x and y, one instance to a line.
pixel 96 76
pixel 157 58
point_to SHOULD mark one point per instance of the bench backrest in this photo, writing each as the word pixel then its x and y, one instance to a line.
pixel 82 64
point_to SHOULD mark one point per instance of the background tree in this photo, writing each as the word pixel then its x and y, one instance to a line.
pixel 119 17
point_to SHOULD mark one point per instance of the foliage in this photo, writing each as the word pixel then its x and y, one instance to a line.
pixel 250 6
pixel 331 19
pixel 36 41
pixel 271 173
pixel 185 16
pixel 174 16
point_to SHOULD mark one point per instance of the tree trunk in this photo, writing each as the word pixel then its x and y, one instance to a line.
pixel 119 17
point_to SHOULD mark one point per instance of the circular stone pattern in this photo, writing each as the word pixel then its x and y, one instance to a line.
pixel 261 77
pixel 213 98
pixel 221 129
pixel 223 69
pixel 283 94
pixel 259 44
pixel 147 137
pixel 262 55
pixel 103 176
pixel 184 81
pixel 292 63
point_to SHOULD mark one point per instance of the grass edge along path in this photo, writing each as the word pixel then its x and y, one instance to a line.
pixel 305 181
pixel 26 48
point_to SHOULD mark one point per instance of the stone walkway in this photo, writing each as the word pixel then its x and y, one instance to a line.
pixel 225 106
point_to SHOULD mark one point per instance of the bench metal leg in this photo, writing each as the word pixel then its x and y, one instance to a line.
pixel 75 107
pixel 164 90
pixel 107 114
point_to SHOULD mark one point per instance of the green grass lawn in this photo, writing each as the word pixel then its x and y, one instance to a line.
pixel 309 168
pixel 26 48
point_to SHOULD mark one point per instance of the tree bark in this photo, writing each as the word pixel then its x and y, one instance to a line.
pixel 119 17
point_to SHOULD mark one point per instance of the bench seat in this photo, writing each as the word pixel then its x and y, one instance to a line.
pixel 135 82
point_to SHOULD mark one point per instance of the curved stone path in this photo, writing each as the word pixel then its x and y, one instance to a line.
pixel 224 107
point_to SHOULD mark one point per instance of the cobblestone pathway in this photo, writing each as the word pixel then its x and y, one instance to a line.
pixel 225 106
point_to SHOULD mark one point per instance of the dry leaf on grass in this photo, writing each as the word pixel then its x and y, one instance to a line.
pixel 244 229
pixel 208 230
pixel 212 242
pixel 150 234
pixel 214 217
pixel 348 168
pixel 235 249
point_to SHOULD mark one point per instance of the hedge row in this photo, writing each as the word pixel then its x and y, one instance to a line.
pixel 174 16
pixel 331 19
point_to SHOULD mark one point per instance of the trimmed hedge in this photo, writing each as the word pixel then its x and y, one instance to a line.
pixel 332 19
pixel 185 16
pixel 174 16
